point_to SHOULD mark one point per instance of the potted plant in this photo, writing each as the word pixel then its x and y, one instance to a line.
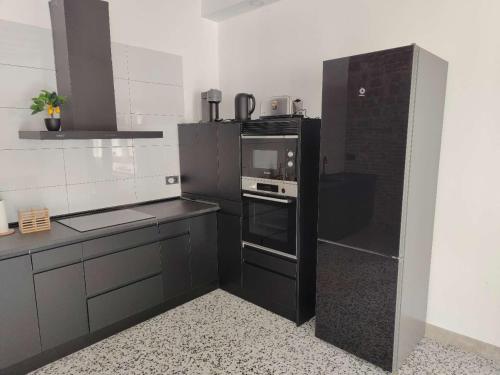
pixel 51 102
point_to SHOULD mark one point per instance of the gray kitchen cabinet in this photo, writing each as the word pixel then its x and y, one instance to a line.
pixel 58 257
pixel 19 335
pixel 175 254
pixel 125 302
pixel 62 308
pixel 117 242
pixel 204 267
pixel 118 269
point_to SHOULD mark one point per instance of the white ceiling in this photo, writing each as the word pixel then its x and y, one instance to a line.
pixel 220 10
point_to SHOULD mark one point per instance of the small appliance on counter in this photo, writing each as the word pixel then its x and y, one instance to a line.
pixel 210 101
pixel 281 106
pixel 4 224
pixel 244 105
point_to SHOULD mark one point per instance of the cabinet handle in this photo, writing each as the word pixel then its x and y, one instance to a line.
pixel 264 198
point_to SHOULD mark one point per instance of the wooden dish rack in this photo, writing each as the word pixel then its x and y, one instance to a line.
pixel 34 221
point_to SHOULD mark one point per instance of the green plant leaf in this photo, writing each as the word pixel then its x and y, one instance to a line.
pixel 46 98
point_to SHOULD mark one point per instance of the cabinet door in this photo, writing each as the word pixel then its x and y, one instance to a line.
pixel 198 159
pixel 204 268
pixel 206 159
pixel 62 308
pixel 229 169
pixel 19 336
pixel 229 241
pixel 175 265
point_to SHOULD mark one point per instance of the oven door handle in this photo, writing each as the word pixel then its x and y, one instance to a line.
pixel 265 198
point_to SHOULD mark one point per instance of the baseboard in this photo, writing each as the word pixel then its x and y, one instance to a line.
pixel 467 343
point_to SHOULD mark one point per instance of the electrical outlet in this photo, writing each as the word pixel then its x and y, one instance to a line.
pixel 171 180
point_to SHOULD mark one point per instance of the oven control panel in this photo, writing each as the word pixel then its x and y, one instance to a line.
pixel 264 185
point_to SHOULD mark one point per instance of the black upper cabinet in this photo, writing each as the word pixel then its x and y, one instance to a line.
pixel 206 158
pixel 366 102
pixel 229 165
pixel 210 160
pixel 204 269
pixel 62 307
pixel 198 158
pixel 18 317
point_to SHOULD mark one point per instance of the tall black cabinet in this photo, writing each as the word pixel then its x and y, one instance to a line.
pixel 380 144
pixel 211 170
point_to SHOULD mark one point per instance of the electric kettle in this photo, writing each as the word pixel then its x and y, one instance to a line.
pixel 242 108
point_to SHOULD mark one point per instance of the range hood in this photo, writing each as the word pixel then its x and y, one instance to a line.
pixel 82 50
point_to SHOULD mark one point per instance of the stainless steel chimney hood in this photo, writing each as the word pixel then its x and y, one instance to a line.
pixel 82 50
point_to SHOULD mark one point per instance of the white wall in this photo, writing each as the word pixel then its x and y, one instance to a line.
pixel 279 49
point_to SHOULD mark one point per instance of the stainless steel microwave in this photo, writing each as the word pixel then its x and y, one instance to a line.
pixel 272 157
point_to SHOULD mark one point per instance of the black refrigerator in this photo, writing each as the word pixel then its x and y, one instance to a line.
pixel 382 116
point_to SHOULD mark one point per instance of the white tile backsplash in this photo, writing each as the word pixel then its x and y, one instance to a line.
pixel 98 164
pixel 154 66
pixel 54 198
pixel 122 101
pixel 119 60
pixel 156 99
pixel 156 161
pixel 167 124
pixel 91 196
pixel 20 84
pixel 81 175
pixel 26 45
pixel 12 120
pixel 153 188
pixel 24 169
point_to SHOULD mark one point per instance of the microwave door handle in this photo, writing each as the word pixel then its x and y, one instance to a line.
pixel 264 198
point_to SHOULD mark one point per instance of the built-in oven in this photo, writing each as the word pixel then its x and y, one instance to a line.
pixel 269 156
pixel 269 222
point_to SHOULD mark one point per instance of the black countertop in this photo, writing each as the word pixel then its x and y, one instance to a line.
pixel 60 235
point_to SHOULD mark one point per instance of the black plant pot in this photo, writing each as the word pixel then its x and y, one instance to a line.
pixel 53 124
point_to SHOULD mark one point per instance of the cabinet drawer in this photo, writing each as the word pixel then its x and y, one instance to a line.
pixel 57 257
pixel 116 242
pixel 270 262
pixel 270 290
pixel 117 269
pixel 174 229
pixel 125 302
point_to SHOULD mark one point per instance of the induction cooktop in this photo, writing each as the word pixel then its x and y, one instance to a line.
pixel 86 223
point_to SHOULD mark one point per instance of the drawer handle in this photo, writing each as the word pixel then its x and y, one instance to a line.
pixel 267 249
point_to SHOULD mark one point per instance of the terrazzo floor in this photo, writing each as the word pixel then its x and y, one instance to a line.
pixel 222 334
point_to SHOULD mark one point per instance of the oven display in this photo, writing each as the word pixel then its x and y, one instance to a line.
pixel 267 187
